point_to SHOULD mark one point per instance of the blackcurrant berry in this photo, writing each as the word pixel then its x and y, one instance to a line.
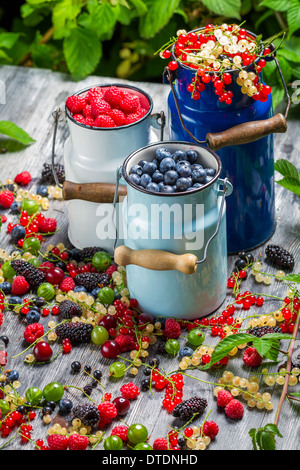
pixel 75 366
pixel 154 362
pixel 240 263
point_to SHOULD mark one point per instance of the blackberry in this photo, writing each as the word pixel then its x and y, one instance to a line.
pixel 86 254
pixel 88 414
pixel 33 275
pixel 188 408
pixel 260 331
pixel 280 257
pixel 92 280
pixel 76 332
pixel 47 174
pixel 68 309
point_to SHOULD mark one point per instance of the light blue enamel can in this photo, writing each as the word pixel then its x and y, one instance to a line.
pixel 175 249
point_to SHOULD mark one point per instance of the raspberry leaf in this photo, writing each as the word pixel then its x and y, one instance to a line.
pixel 227 8
pixel 157 16
pixel 15 132
pixel 83 51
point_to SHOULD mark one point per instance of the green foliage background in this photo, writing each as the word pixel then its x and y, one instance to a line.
pixel 119 38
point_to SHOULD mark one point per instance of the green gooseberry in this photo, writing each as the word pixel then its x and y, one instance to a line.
pixel 137 433
pixel 46 290
pixel 31 244
pixel 106 295
pixel 30 206
pixel 172 346
pixel 7 270
pixel 4 407
pixel 101 260
pixel 117 369
pixel 113 443
pixel 35 262
pixel 54 391
pixel 99 335
pixel 143 446
pixel 196 337
pixel 33 395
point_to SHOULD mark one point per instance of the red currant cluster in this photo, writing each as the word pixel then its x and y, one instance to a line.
pixel 14 420
pixel 290 313
pixel 172 385
pixel 214 52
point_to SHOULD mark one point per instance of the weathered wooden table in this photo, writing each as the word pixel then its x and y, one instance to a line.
pixel 31 97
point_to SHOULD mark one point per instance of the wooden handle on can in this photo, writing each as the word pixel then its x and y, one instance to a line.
pixel 92 192
pixel 247 132
pixel 157 260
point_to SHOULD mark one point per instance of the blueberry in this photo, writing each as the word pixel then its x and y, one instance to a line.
pixel 184 170
pixel 79 289
pixel 196 166
pixel 162 153
pixel 145 180
pixel 167 164
pixel 94 292
pixel 170 177
pixel 142 163
pixel 192 156
pixel 199 175
pixel 197 185
pixel 208 179
pixel 186 351
pixel 157 177
pixel 134 178
pixel 13 375
pixel 179 155
pixel 42 190
pixel 136 170
pixel 210 171
pixel 32 317
pixel 182 184
pixel 65 405
pixel 152 187
pixel 15 208
pixel 17 233
pixel 161 185
pixel 166 189
pixel 5 287
pixel 149 168
pixel 15 300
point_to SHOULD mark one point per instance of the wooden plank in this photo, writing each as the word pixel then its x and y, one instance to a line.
pixel 31 97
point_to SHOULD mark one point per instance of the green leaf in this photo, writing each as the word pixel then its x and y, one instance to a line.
pixel 286 168
pixel 292 184
pixel 292 278
pixel 226 345
pixel 278 5
pixel 140 7
pixel 157 16
pixel 293 16
pixel 100 18
pixel 8 40
pixel 267 440
pixel 64 12
pixel 262 347
pixel 273 428
pixel 252 434
pixel 12 130
pixel 83 51
pixel 227 8
pixel 296 394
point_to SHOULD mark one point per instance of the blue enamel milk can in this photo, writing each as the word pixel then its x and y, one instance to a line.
pixel 242 135
pixel 175 249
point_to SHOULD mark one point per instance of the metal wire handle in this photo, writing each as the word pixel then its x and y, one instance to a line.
pixel 57 115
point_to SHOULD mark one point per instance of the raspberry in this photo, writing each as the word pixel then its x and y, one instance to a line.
pixel 234 409
pixel 23 178
pixel 113 95
pixel 99 106
pixel 47 225
pixel 104 121
pixel 120 431
pixel 58 442
pixel 67 284
pixel 126 342
pixel 118 117
pixel 19 285
pixel 6 198
pixel 223 398
pixel 94 94
pixel 130 391
pixel 161 444
pixel 75 104
pixel 172 329
pixel 130 103
pixel 79 118
pixel 33 332
pixel 108 411
pixel 89 121
pixel 77 442
pixel 112 268
pixel 87 111
pixel 210 429
pixel 251 357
